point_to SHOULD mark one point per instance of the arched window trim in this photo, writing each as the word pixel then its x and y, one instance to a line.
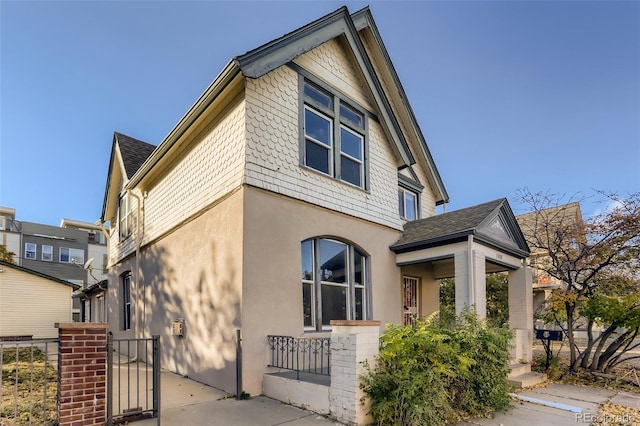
pixel 314 284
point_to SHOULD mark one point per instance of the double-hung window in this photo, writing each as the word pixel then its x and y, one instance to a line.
pixel 30 251
pixel 334 136
pixel 125 216
pixel 407 204
pixel 47 253
pixel 126 301
pixel 334 283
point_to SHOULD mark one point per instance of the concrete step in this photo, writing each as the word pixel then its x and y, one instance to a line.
pixel 527 380
pixel 517 369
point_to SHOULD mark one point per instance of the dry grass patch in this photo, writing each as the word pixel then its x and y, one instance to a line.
pixel 29 386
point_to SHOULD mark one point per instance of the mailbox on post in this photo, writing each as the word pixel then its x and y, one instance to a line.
pixel 548 336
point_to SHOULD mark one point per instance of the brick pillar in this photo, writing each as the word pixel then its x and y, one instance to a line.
pixel 82 373
pixel 352 342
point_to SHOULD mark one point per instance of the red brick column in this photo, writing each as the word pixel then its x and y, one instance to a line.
pixel 82 373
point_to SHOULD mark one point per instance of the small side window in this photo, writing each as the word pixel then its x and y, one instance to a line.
pixel 407 204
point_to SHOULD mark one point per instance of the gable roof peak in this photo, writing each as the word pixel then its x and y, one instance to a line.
pixel 134 152
pixel 459 224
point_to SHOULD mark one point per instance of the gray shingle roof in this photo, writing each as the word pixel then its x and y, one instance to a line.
pixel 134 152
pixel 446 226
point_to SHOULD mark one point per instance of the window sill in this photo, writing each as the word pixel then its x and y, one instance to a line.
pixel 318 172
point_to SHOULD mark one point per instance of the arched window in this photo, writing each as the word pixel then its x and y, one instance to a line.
pixel 334 282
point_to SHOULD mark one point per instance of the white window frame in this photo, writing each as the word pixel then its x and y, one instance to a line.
pixel 47 255
pixel 125 217
pixel 74 255
pixel 29 252
pixel 321 144
pixel 402 192
pixel 359 161
pixel 317 283
pixel 333 115
pixel 126 301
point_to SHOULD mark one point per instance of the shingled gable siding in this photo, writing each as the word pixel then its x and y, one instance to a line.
pixel 120 249
pixel 273 157
pixel 209 170
pixel 328 62
pixel 427 199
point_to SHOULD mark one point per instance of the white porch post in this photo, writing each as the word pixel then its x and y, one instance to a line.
pixel 470 277
pixel 521 312
pixel 352 343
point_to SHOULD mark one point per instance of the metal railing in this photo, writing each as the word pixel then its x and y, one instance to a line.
pixel 301 354
pixel 28 387
pixel 133 379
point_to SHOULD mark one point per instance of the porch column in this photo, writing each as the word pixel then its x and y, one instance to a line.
pixel 471 281
pixel 521 312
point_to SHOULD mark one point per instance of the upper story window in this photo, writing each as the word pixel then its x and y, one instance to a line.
pixel 125 216
pixel 30 251
pixel 47 253
pixel 71 255
pixel 407 204
pixel 334 283
pixel 334 136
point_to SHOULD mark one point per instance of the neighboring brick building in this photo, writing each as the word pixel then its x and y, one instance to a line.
pixel 272 205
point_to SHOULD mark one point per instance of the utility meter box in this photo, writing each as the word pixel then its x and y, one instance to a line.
pixel 177 327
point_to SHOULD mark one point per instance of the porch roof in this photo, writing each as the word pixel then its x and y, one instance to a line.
pixel 492 222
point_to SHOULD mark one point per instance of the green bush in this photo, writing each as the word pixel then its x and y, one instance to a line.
pixel 434 373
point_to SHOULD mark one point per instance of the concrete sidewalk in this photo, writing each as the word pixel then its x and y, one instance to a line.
pixel 559 405
pixel 186 402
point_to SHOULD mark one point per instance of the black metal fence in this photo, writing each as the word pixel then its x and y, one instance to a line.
pixel 28 387
pixel 133 379
pixel 301 354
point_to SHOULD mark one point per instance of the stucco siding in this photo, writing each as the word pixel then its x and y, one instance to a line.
pixel 11 240
pixel 194 273
pixel 96 252
pixel 31 305
pixel 273 154
pixel 274 227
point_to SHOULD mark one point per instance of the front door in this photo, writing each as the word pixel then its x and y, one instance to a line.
pixel 410 300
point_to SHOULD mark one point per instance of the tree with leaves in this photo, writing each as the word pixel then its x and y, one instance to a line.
pixel 6 255
pixel 596 260
pixel 497 299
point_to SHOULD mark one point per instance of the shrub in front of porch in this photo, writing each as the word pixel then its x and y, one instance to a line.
pixel 433 373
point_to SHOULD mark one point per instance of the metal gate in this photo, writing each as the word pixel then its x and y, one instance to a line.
pixel 410 300
pixel 133 379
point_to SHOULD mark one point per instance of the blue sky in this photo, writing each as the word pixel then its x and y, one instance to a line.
pixel 509 94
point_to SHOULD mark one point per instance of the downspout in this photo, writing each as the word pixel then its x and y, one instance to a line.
pixel 138 244
pixel 107 236
pixel 471 271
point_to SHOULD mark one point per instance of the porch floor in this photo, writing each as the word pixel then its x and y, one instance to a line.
pixel 317 379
